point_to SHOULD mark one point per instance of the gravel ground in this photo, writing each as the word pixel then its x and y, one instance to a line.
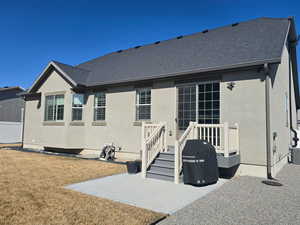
pixel 245 200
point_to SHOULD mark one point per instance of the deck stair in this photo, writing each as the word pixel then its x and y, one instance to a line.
pixel 164 162
pixel 163 166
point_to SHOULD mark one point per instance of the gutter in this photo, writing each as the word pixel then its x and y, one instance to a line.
pixel 267 102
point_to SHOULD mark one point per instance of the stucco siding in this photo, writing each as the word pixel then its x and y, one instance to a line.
pixel 119 128
pixel 279 110
pixel 36 132
pixel 164 107
pixel 245 105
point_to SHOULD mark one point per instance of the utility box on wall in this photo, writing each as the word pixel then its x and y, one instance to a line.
pixel 295 156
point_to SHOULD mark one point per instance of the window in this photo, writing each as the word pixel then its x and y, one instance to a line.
pixel 186 106
pixel 54 108
pixel 209 103
pixel 77 107
pixel 143 104
pixel 99 106
pixel 198 102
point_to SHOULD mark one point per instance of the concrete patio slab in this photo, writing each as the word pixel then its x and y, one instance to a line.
pixel 156 195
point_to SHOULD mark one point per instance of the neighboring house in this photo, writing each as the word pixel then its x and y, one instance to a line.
pixel 238 82
pixel 11 114
pixel 11 104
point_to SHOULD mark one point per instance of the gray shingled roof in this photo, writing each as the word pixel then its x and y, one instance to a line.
pixel 247 43
pixel 77 74
pixel 251 42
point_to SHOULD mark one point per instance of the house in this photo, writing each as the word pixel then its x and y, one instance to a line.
pixel 235 86
pixel 11 104
pixel 11 114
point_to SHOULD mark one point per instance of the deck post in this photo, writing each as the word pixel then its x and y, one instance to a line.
pixel 144 153
pixel 237 138
pixel 226 139
pixel 195 133
pixel 176 167
pixel 192 133
pixel 165 137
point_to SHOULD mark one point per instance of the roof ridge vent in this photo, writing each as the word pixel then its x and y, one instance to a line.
pixel 138 46
pixel 179 37
pixel 234 24
pixel 205 31
pixel 119 51
pixel 157 42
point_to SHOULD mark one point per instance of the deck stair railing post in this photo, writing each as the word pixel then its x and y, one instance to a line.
pixel 154 141
pixel 226 139
pixel 237 137
pixel 223 137
pixel 188 134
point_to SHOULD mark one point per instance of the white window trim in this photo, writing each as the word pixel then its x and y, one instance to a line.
pixel 137 102
pixel 55 106
pixel 77 107
pixel 99 107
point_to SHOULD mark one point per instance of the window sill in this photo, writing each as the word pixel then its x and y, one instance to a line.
pixel 139 122
pixel 76 123
pixel 53 123
pixel 99 123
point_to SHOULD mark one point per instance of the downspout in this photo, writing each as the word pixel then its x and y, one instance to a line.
pixel 267 100
pixel 295 138
pixel 292 46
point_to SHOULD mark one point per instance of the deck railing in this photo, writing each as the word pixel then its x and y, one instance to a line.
pixel 153 142
pixel 223 137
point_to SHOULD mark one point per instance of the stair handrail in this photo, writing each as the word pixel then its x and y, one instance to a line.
pixel 179 147
pixel 152 145
pixel 157 129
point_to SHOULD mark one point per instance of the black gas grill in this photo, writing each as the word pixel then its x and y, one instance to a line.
pixel 199 162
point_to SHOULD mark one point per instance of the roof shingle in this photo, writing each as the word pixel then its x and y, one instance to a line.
pixel 253 42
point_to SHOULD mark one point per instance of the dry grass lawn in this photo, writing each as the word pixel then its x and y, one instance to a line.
pixel 10 145
pixel 32 193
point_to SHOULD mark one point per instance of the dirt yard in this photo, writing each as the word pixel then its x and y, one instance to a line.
pixel 32 193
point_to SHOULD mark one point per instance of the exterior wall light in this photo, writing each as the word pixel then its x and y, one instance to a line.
pixel 230 85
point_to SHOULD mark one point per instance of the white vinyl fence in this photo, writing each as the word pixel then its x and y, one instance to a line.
pixel 10 132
